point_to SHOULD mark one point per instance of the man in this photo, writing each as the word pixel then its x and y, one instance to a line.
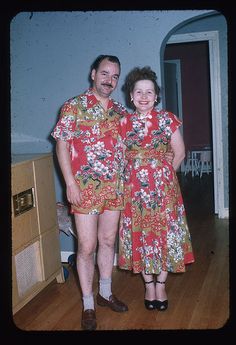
pixel 90 158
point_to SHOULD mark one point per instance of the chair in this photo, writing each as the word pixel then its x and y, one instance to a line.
pixel 205 163
pixel 192 163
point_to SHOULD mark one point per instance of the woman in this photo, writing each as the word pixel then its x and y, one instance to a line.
pixel 154 236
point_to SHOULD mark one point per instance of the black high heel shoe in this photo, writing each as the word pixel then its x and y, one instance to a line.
pixel 150 305
pixel 161 305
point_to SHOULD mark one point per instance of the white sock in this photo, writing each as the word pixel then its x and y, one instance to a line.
pixel 105 287
pixel 88 302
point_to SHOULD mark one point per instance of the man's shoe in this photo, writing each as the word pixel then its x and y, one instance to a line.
pixel 113 303
pixel 88 321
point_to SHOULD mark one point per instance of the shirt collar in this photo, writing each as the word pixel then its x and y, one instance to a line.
pixel 112 104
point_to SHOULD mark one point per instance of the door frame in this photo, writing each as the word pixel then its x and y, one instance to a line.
pixel 177 63
pixel 214 60
pixel 179 86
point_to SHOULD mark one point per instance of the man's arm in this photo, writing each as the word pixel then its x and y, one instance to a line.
pixel 169 155
pixel 72 189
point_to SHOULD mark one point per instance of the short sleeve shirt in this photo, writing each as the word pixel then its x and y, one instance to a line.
pixel 94 145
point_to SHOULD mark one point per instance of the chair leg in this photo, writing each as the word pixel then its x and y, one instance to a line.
pixel 202 167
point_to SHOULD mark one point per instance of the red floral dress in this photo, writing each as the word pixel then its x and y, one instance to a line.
pixel 153 234
pixel 95 150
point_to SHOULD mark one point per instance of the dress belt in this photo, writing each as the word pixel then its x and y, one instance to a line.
pixel 144 154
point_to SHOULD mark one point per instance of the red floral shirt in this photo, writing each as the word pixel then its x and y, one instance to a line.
pixel 95 149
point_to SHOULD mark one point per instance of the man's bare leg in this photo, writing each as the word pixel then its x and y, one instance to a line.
pixel 107 231
pixel 86 226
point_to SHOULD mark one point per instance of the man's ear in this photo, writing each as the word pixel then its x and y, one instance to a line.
pixel 93 74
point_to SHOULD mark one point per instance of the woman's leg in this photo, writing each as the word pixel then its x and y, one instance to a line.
pixel 150 294
pixel 160 286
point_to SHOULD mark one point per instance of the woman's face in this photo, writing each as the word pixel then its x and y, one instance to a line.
pixel 144 96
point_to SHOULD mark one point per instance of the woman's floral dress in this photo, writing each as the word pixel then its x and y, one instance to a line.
pixel 95 150
pixel 153 234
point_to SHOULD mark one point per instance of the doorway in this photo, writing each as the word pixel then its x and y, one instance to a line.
pixel 173 92
pixel 211 37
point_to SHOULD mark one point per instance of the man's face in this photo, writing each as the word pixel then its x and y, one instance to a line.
pixel 105 79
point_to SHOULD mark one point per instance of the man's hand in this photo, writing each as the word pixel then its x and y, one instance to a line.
pixel 169 156
pixel 73 194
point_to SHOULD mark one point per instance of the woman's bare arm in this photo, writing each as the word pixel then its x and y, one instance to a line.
pixel 177 145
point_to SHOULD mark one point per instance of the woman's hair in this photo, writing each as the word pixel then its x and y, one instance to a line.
pixel 138 74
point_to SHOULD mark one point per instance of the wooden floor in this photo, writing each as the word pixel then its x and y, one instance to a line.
pixel 198 299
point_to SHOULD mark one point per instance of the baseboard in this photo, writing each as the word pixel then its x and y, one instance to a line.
pixel 65 255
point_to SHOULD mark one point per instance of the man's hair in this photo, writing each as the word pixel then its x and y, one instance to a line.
pixel 100 58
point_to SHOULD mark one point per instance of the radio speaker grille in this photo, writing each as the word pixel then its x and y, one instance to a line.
pixel 28 268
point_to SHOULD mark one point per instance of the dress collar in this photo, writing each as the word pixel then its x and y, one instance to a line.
pixel 149 115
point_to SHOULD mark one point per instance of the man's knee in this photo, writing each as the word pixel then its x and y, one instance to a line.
pixel 86 250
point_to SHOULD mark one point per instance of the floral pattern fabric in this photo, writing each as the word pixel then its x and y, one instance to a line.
pixel 95 150
pixel 153 234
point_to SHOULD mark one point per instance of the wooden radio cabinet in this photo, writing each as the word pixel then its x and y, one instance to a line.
pixel 36 257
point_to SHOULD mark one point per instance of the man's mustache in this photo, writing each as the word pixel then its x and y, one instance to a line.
pixel 106 84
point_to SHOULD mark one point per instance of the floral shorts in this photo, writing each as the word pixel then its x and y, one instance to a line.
pixel 107 204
